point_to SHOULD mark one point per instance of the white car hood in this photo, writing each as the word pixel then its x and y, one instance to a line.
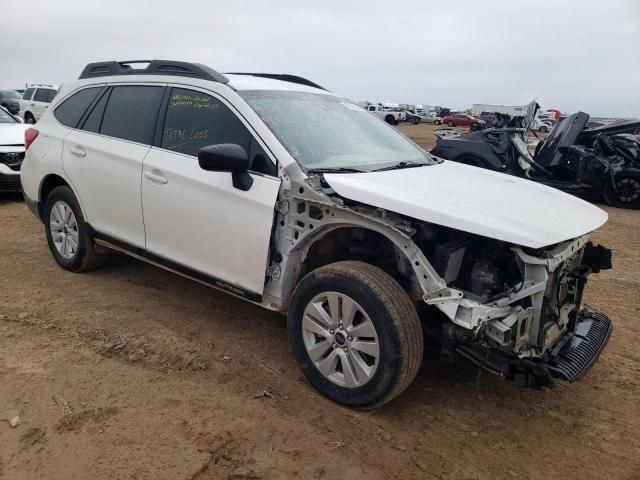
pixel 474 200
pixel 12 134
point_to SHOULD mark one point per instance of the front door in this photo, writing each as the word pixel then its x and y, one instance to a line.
pixel 196 218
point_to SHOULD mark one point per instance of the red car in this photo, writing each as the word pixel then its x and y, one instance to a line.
pixel 461 120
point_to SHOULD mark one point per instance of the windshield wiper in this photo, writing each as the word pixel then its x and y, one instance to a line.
pixel 401 165
pixel 334 170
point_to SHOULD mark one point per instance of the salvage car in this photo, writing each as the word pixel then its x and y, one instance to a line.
pixel 594 164
pixel 35 101
pixel 427 117
pixel 462 120
pixel 279 192
pixel 12 132
pixel 411 117
pixel 10 100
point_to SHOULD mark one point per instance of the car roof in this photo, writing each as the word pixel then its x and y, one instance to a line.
pixel 250 82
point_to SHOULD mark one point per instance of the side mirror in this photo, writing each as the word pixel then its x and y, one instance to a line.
pixel 227 157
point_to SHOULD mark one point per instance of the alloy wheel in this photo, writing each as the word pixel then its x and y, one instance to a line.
pixel 628 189
pixel 64 229
pixel 340 339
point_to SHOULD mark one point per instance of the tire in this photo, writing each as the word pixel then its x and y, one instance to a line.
pixel 543 129
pixel 29 118
pixel 390 120
pixel 450 124
pixel 384 305
pixel 627 194
pixel 83 257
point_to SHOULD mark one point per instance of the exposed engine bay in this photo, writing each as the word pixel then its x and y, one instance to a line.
pixel 505 307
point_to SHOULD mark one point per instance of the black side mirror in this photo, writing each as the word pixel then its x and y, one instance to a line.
pixel 227 157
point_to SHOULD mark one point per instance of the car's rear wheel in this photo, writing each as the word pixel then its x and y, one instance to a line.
pixel 29 118
pixel 67 233
pixel 355 333
pixel 626 193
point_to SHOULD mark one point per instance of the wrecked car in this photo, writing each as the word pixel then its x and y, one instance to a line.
pixel 594 164
pixel 281 193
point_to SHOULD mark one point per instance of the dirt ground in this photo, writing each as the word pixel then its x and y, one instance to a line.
pixel 131 372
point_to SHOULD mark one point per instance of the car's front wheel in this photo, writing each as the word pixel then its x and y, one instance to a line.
pixel 355 333
pixel 67 233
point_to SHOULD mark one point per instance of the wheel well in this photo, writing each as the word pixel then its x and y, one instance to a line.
pixel 356 243
pixel 49 183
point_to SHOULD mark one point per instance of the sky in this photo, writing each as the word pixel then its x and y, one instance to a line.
pixel 569 54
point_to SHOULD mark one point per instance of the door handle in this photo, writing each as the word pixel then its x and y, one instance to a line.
pixel 78 151
pixel 33 104
pixel 155 177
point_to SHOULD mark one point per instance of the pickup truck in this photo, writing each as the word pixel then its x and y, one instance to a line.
pixel 387 113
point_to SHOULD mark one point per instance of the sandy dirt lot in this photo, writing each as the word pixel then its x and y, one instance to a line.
pixel 131 372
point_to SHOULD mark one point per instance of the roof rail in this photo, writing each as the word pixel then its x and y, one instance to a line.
pixel 153 67
pixel 285 77
pixel 39 85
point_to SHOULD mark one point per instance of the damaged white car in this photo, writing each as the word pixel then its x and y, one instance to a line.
pixel 280 192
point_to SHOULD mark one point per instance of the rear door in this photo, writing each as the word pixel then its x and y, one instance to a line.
pixel 103 158
pixel 196 218
pixel 41 100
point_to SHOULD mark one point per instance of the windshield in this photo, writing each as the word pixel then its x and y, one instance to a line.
pixel 327 132
pixel 6 118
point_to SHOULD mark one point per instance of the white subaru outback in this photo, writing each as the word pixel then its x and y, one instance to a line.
pixel 275 190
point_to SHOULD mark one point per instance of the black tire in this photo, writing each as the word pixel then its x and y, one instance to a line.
pixel 395 320
pixel 543 129
pixel 390 120
pixel 627 193
pixel 29 118
pixel 85 257
pixel 450 124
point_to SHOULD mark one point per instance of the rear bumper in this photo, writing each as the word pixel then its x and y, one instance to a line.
pixel 33 205
pixel 570 359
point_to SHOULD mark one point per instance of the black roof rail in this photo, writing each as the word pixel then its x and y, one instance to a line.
pixel 154 67
pixel 285 77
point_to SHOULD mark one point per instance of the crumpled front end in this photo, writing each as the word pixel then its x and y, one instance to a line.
pixel 534 329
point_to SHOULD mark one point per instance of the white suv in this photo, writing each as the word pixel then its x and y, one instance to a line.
pixel 35 101
pixel 282 193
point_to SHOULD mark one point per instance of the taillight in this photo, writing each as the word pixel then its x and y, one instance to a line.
pixel 30 135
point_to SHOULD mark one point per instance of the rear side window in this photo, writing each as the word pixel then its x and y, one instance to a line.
pixel 41 95
pixel 195 120
pixel 72 109
pixel 131 113
pixel 94 120
pixel 28 93
pixel 44 95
